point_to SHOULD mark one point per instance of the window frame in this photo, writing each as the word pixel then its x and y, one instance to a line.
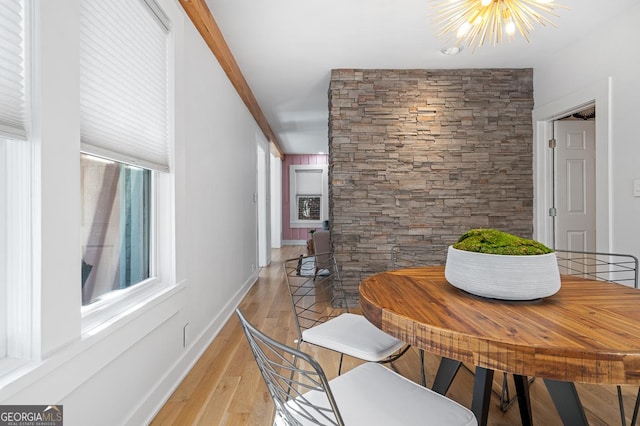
pixel 116 304
pixel 294 220
pixel 120 304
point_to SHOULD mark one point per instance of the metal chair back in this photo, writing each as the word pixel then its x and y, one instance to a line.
pixel 291 376
pixel 412 255
pixel 610 267
pixel 316 296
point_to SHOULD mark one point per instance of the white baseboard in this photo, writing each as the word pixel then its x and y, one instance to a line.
pixel 153 402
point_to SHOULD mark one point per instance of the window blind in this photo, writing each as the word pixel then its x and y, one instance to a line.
pixel 12 70
pixel 309 182
pixel 124 82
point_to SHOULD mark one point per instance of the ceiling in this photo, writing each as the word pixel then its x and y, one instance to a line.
pixel 286 50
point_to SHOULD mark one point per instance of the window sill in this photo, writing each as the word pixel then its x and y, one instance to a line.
pixel 11 365
pixel 158 303
pixel 306 224
pixel 102 314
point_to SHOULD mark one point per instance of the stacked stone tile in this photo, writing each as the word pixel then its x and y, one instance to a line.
pixel 421 156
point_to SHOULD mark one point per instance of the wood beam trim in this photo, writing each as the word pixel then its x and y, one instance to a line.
pixel 203 20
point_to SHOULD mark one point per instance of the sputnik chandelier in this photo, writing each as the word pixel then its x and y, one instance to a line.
pixel 475 22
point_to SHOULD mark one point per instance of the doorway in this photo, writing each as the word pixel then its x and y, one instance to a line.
pixel 597 95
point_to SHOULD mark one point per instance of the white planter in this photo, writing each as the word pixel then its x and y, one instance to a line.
pixel 501 276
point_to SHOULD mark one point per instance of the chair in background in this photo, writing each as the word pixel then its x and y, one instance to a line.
pixel 611 267
pixel 369 394
pixel 422 254
pixel 412 255
pixel 321 244
pixel 322 316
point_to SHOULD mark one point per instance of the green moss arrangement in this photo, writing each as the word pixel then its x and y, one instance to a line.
pixel 492 241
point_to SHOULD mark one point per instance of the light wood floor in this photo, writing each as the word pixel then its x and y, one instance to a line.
pixel 225 386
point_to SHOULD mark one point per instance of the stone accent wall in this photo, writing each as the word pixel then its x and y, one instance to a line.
pixel 420 156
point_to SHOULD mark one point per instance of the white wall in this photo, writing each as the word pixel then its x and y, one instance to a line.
pixel 584 70
pixel 123 373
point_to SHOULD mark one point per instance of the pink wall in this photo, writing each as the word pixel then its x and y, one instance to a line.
pixel 291 234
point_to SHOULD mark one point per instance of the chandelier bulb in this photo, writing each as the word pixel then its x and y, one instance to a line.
pixel 510 27
pixel 464 29
pixel 486 2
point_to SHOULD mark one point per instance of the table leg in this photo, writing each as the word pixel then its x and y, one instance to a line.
pixel 423 378
pixel 445 374
pixel 482 394
pixel 567 402
pixel 524 403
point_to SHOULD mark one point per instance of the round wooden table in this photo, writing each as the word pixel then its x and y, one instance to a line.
pixel 588 332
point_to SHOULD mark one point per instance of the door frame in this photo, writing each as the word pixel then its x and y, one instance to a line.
pixel 598 93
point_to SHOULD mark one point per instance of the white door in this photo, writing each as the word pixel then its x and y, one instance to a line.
pixel 575 181
pixel 263 199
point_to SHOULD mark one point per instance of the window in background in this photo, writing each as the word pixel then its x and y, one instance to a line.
pixel 308 195
pixel 309 207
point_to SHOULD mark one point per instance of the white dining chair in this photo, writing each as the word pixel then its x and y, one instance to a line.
pixel 322 316
pixel 369 394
